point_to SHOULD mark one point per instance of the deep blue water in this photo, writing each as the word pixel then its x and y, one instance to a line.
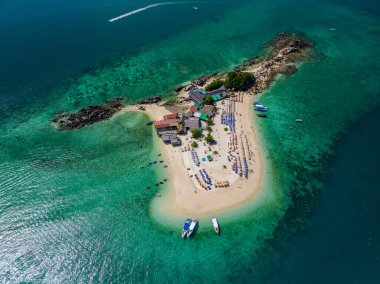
pixel 341 242
pixel 68 214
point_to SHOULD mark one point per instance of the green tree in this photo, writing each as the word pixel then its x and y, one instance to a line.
pixel 209 138
pixel 209 129
pixel 216 84
pixel 240 81
pixel 194 144
pixel 209 122
pixel 208 100
pixel 196 132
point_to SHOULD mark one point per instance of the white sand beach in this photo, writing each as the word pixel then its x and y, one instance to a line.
pixel 185 195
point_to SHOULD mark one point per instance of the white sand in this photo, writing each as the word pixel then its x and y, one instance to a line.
pixel 185 196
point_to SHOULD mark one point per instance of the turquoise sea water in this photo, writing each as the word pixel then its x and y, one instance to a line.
pixel 74 205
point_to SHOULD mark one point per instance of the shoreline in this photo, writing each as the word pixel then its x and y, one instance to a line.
pixel 190 192
pixel 180 197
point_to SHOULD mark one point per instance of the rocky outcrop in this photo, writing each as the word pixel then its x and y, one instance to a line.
pixel 287 70
pixel 200 81
pixel 88 115
pixel 151 100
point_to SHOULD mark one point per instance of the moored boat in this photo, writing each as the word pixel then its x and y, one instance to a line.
pixel 262 115
pixel 299 120
pixel 215 225
pixel 192 227
pixel 186 227
pixel 259 107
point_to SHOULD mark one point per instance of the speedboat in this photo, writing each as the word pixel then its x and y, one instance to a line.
pixel 192 227
pixel 216 225
pixel 186 227
pixel 259 107
pixel 195 8
pixel 299 120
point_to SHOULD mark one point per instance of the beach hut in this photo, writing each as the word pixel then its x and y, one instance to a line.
pixel 203 117
pixel 197 96
pixel 209 110
pixel 198 105
pixel 174 140
pixel 192 123
pixel 216 97
pixel 165 138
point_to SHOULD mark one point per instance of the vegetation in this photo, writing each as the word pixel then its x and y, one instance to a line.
pixel 196 132
pixel 215 152
pixel 209 138
pixel 216 84
pixel 209 129
pixel 240 81
pixel 194 144
pixel 225 129
pixel 208 100
pixel 209 122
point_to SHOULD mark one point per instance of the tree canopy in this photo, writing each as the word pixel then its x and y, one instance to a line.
pixel 208 100
pixel 209 138
pixel 216 84
pixel 239 81
pixel 196 132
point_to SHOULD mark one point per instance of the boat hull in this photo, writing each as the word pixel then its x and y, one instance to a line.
pixel 192 228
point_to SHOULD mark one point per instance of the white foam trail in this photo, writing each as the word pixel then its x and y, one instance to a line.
pixel 142 9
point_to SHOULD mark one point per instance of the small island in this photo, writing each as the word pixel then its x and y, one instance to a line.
pixel 206 133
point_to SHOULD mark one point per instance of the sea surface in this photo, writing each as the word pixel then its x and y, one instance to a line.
pixel 74 205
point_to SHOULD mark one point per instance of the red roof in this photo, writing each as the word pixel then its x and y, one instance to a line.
pixel 193 109
pixel 171 116
pixel 161 123
pixel 165 123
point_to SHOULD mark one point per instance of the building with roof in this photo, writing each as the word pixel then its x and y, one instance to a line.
pixel 171 139
pixel 192 123
pixel 194 108
pixel 167 126
pixel 201 116
pixel 209 110
pixel 171 116
pixel 165 138
pixel 197 96
pixel 218 94
pixel 174 140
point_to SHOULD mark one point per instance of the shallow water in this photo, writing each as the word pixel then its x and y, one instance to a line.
pixel 74 205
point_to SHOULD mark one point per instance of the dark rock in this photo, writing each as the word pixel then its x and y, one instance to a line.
pixel 88 115
pixel 288 70
pixel 179 88
pixel 151 100
pixel 200 81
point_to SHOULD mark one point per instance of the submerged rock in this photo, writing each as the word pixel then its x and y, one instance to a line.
pixel 88 115
pixel 288 70
pixel 151 100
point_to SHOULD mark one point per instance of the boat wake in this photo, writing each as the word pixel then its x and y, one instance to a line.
pixel 143 9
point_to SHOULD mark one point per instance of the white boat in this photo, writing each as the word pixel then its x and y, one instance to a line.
pixel 216 225
pixel 193 225
pixel 195 8
pixel 186 227
pixel 299 120
pixel 259 107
